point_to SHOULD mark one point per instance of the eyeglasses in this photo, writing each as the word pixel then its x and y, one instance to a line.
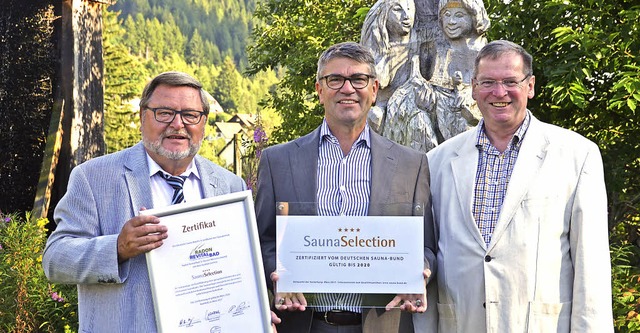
pixel 509 84
pixel 336 82
pixel 166 115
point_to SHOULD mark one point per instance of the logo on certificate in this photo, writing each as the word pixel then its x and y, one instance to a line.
pixel 351 238
pixel 202 251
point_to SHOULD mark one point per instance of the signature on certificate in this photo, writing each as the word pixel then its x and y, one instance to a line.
pixel 188 322
pixel 239 309
pixel 212 315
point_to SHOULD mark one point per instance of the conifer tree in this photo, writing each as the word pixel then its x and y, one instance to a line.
pixel 195 49
pixel 124 77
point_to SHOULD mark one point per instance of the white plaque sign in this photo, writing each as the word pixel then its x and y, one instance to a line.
pixel 350 254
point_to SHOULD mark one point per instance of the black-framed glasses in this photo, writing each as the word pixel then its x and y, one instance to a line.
pixel 336 82
pixel 509 84
pixel 166 115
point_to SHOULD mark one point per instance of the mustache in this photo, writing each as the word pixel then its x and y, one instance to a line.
pixel 169 133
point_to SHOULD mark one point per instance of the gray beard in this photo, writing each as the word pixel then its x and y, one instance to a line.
pixel 156 147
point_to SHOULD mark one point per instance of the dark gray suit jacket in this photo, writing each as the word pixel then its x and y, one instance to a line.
pixel 399 175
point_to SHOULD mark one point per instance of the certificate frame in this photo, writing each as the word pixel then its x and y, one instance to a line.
pixel 215 240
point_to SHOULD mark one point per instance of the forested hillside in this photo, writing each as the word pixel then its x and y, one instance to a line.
pixel 206 38
pixel 211 29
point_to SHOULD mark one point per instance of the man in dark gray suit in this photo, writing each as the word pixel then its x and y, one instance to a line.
pixel 100 240
pixel 344 168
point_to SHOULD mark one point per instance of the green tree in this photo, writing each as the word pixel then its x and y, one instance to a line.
pixel 226 89
pixel 175 39
pixel 213 53
pixel 154 41
pixel 224 23
pixel 124 76
pixel 292 34
pixel 195 49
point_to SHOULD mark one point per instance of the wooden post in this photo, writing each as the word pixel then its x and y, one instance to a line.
pixel 49 161
pixel 237 155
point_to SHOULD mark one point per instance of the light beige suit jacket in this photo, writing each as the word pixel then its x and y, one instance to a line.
pixel 547 268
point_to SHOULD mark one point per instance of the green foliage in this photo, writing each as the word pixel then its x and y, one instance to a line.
pixel 626 278
pixel 587 67
pixel 195 49
pixel 291 35
pixel 28 303
pixel 226 86
pixel 124 75
pixel 221 25
pixel 140 47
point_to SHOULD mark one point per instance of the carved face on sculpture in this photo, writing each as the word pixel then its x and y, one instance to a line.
pixel 456 22
pixel 400 18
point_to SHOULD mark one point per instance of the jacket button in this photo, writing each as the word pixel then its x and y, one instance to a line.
pixel 487 258
pixel 484 305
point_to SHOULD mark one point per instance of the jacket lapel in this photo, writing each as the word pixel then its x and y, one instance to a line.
pixel 303 160
pixel 137 177
pixel 464 168
pixel 383 164
pixel 212 185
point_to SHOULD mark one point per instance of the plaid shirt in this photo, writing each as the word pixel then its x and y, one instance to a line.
pixel 492 177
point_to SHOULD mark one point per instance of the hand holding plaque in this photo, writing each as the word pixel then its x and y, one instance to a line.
pixel 411 302
pixel 287 301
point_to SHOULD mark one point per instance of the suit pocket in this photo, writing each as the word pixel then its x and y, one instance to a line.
pixel 447 322
pixel 549 317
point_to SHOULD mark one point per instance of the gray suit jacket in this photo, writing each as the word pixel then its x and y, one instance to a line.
pixel 102 195
pixel 399 175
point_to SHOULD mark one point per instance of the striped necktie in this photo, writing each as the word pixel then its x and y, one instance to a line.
pixel 176 182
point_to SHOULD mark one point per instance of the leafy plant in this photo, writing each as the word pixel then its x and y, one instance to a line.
pixel 626 279
pixel 252 157
pixel 28 302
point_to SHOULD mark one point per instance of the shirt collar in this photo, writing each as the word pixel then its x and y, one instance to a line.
pixel 154 168
pixel 326 135
pixel 516 140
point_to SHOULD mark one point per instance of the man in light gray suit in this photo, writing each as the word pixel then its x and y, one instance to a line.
pixel 344 168
pixel 100 240
pixel 521 209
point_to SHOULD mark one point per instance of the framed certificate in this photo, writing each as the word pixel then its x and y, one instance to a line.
pixel 208 274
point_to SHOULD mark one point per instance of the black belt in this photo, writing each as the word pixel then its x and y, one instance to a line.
pixel 339 318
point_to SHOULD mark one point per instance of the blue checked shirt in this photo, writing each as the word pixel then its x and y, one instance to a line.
pixel 344 188
pixel 492 177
